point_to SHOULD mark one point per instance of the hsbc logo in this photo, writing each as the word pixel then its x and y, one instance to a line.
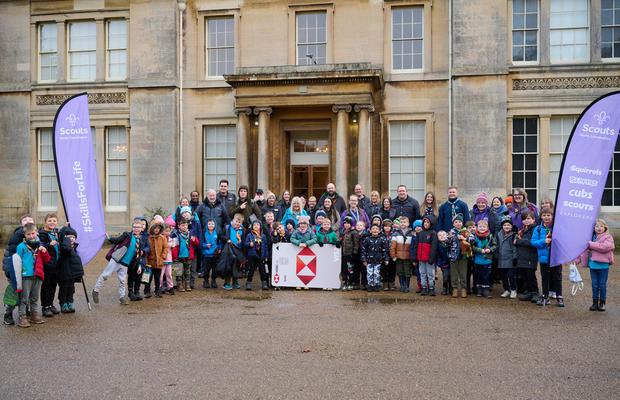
pixel 305 265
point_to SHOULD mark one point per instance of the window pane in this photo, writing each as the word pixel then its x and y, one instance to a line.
pixel 48 186
pixel 311 38
pixel 407 155
pixel 407 38
pixel 220 46
pixel 116 166
pixel 220 156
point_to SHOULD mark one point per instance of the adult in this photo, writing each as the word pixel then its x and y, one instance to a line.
pixel 295 211
pixel 285 201
pixel 374 207
pixel 227 199
pixel 355 212
pixel 497 214
pixel 337 201
pixel 330 212
pixel 184 202
pixel 405 204
pixel 387 211
pixel 259 198
pixel 212 208
pixel 481 209
pixel 429 205
pixel 246 207
pixel 271 204
pixel 451 208
pixel 194 200
pixel 519 205
pixel 363 201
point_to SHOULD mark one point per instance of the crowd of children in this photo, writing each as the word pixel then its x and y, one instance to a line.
pixel 467 251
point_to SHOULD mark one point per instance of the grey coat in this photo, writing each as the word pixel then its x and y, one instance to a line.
pixel 506 250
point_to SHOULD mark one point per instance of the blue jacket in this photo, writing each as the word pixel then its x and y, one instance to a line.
pixel 449 210
pixel 538 241
pixel 28 261
pixel 252 251
pixel 212 239
pixel 289 215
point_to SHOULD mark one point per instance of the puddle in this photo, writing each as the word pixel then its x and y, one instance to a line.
pixel 382 300
pixel 259 297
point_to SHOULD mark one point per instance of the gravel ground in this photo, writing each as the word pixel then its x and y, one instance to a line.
pixel 277 345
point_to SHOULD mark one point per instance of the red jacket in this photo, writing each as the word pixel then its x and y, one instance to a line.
pixel 193 242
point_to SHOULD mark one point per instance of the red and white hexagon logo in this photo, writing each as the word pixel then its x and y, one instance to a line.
pixel 306 265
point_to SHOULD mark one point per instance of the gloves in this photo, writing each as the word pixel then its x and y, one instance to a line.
pixel 320 244
pixel 337 245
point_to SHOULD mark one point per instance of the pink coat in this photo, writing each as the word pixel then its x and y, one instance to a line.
pixel 601 250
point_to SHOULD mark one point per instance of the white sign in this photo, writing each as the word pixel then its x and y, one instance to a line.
pixel 313 267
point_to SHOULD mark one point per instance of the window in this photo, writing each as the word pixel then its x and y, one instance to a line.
pixel 48 48
pixel 569 31
pixel 116 49
pixel 48 185
pixel 310 146
pixel 220 46
pixel 561 128
pixel 408 156
pixel 82 51
pixel 525 30
pixel 311 38
pixel 525 156
pixel 610 29
pixel 220 155
pixel 116 168
pixel 611 194
pixel 407 38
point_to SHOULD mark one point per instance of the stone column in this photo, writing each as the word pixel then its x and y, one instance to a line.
pixel 262 170
pixel 364 144
pixel 341 151
pixel 243 130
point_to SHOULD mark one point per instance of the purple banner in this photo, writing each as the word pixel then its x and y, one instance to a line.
pixel 77 175
pixel 583 175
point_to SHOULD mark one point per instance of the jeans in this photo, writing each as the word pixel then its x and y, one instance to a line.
pixel 373 272
pixel 599 283
pixel 427 275
pixel 29 297
pixel 121 272
pixel 482 276
pixel 509 278
pixel 551 278
pixel 458 273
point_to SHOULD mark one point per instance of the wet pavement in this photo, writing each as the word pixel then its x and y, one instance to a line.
pixel 211 344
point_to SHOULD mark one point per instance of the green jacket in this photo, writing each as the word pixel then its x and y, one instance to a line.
pixel 309 238
pixel 327 238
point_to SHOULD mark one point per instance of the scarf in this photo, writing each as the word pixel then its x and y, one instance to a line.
pixel 453 205
pixel 523 231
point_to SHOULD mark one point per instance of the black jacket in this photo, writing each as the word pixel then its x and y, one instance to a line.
pixel 16 238
pixel 408 207
pixel 46 238
pixel 214 211
pixel 277 210
pixel 527 255
pixel 70 266
pixel 338 202
pixel 375 250
pixel 227 201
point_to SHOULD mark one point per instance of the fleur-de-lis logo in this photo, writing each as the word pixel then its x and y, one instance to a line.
pixel 73 119
pixel 601 117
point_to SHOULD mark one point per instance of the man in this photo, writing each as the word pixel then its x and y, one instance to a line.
pixel 311 208
pixel 226 199
pixel 355 212
pixel 406 205
pixel 194 201
pixel 451 208
pixel 212 208
pixel 338 203
pixel 364 202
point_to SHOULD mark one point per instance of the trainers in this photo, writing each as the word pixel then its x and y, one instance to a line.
pixel 264 286
pixel 71 308
pixel 227 286
pixel 123 301
pixel 505 294
pixel 560 301
pixel 552 295
pixel 542 301
pixel 513 294
pixel 65 308
pixel 55 311
pixel 47 312
pixel 95 296
pixel 236 286
pixel 424 291
pixel 213 284
pixel 8 319
pixel 248 286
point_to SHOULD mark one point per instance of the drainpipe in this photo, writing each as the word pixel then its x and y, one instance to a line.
pixel 182 5
pixel 450 95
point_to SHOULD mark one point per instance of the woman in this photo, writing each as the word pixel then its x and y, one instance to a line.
pixel 375 204
pixel 285 201
pixel 520 205
pixel 295 211
pixel 272 205
pixel 177 213
pixel 497 213
pixel 481 209
pixel 331 212
pixel 387 212
pixel 429 205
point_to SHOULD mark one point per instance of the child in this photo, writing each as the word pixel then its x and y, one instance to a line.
pixel 484 245
pixel 376 220
pixel 400 252
pixel 599 256
pixel 374 253
pixel 49 239
pixel 459 250
pixel 279 234
pixel 359 272
pixel 417 228
pixel 210 251
pixel 28 262
pixel 126 252
pixel 443 261
pixel 470 226
pixel 166 284
pixel 318 220
pixel 551 275
pixel 506 256
pixel 70 268
pixel 303 236
pixel 350 240
pixel 155 260
pixel 134 272
pixel 193 226
pixel 183 253
pixel 290 228
pixel 234 236
pixel 256 245
pixel 426 254
pixel 527 258
pixel 388 272
pixel 325 235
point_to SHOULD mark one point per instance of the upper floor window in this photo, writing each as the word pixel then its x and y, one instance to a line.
pixel 220 46
pixel 116 49
pixel 610 29
pixel 311 38
pixel 407 38
pixel 48 52
pixel 525 30
pixel 82 51
pixel 569 31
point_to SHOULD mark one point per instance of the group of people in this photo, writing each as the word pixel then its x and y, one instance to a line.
pixel 229 237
